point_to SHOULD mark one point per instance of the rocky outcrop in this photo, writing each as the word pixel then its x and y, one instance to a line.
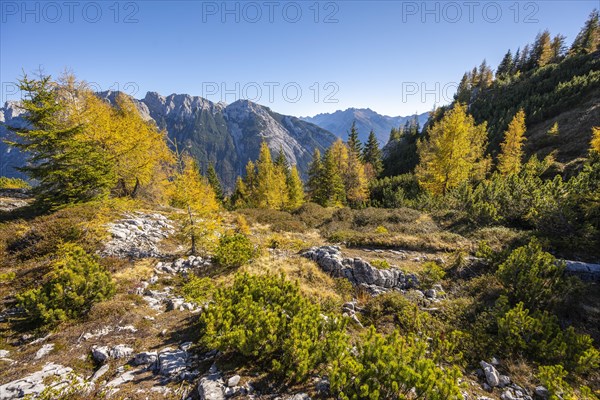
pixel 360 272
pixel 138 235
pixel 53 376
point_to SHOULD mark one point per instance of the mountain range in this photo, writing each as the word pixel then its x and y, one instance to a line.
pixel 339 122
pixel 226 135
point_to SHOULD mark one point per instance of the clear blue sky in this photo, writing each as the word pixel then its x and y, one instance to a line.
pixel 396 57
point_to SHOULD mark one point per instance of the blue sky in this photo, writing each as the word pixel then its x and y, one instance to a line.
pixel 299 58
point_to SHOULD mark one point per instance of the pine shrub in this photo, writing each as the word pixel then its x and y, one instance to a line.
pixel 234 250
pixel 390 367
pixel 74 284
pixel 266 319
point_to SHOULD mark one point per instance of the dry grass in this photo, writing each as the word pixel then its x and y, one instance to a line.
pixel 314 283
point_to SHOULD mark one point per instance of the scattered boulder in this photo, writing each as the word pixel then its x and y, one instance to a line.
pixel 101 354
pixel 211 387
pixel 360 272
pixel 171 362
pixel 491 374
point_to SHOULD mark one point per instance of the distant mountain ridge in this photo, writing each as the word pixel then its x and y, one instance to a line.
pixel 226 135
pixel 339 122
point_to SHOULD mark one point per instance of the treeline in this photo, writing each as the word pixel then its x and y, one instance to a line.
pixel 543 78
pixel 337 178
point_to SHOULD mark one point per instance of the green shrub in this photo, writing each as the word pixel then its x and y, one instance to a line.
pixel 431 274
pixel 539 336
pixel 198 290
pixel 404 313
pixel 74 284
pixel 313 214
pixel 534 277
pixel 266 318
pixel 13 183
pixel 552 378
pixel 234 250
pixel 389 367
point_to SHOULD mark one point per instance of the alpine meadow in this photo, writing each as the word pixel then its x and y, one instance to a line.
pixel 204 246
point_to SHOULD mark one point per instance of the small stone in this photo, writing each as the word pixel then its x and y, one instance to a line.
pixel 504 381
pixel 542 392
pixel 121 351
pixel 4 353
pixel 127 328
pixel 100 353
pixel 234 381
pixel 145 358
pixel 430 293
pixel 185 346
pixel 100 372
pixel 44 350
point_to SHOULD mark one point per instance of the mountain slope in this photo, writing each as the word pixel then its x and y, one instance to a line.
pixel 226 135
pixel 366 119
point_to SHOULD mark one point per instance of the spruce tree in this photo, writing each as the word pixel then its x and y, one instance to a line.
pixel 509 160
pixel 588 39
pixel 68 167
pixel 559 48
pixel 215 183
pixel 333 183
pixel 353 140
pixel 316 179
pixel 506 66
pixel 372 154
pixel 463 92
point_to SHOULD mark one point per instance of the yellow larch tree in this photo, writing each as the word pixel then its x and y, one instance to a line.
pixel 453 152
pixel 511 155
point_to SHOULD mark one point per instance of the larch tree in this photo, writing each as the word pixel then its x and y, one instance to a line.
pixel 542 53
pixel 191 192
pixel 511 155
pixel 596 139
pixel 355 181
pixel 295 189
pixel 453 152
pixel 240 196
pixel 270 181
